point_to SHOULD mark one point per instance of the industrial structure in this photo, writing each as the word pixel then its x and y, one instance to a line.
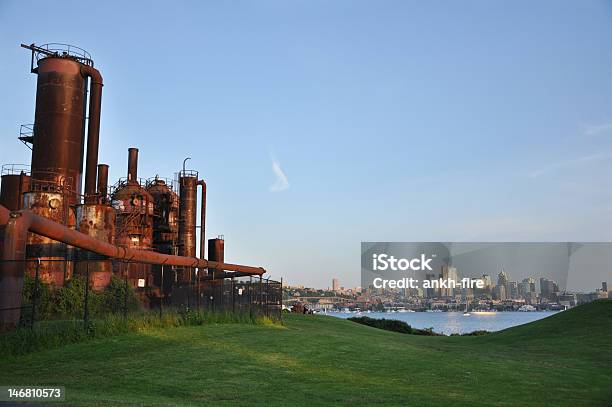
pixel 61 209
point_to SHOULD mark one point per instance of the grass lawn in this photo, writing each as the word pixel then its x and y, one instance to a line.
pixel 565 359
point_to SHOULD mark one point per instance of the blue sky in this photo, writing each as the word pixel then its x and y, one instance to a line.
pixel 392 121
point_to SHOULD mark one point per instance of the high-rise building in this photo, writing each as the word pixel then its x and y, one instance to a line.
pixel 502 279
pixel 524 288
pixel 430 292
pixel 548 288
pixel 335 284
pixel 531 282
pixel 513 291
pixel 604 286
pixel 499 293
pixel 488 283
pixel 449 273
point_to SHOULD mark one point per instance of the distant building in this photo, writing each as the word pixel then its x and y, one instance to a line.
pixel 604 286
pixel 499 293
pixel 513 291
pixel 335 284
pixel 430 292
pixel 502 279
pixel 548 288
pixel 531 282
pixel 449 273
pixel 488 283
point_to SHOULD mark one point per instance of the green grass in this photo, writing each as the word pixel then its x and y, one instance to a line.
pixel 563 360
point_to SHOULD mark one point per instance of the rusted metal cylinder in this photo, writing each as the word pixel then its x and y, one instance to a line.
pixel 12 189
pixel 132 174
pixel 216 252
pixel 202 184
pixel 165 225
pixel 97 221
pixel 134 226
pixel 59 127
pixel 93 130
pixel 54 267
pixel 102 187
pixel 188 184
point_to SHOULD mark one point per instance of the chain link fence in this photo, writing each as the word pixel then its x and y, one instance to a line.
pixel 86 288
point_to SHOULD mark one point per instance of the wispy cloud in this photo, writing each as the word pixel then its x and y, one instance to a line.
pixel 593 129
pixel 282 182
pixel 568 164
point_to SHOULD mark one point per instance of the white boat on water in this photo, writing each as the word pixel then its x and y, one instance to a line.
pixel 527 308
pixel 492 312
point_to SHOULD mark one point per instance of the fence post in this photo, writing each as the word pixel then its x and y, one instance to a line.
pixel 86 307
pixel 35 297
pixel 161 293
pixel 260 294
pixel 125 293
pixel 199 293
pixel 233 296
pixel 250 298
pixel 280 310
pixel 267 296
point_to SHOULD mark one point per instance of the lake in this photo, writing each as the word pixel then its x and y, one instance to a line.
pixel 455 322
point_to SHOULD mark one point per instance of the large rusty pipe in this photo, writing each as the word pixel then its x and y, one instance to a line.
pixel 102 188
pixel 4 215
pixel 13 267
pixel 93 130
pixel 202 183
pixel 132 165
pixel 52 230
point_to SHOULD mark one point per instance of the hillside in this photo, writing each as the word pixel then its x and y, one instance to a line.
pixel 562 360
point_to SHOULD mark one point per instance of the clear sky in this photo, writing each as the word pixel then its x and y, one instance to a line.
pixel 321 124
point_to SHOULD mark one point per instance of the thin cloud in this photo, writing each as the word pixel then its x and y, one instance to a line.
pixel 592 130
pixel 282 182
pixel 568 163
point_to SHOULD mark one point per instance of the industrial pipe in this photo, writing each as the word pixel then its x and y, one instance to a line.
pixel 132 165
pixel 202 183
pixel 93 130
pixel 20 222
pixel 102 188
pixel 4 215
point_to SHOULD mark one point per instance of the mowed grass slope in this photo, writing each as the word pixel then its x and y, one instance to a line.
pixel 565 359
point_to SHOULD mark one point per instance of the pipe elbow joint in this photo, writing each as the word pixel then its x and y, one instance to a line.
pixel 93 73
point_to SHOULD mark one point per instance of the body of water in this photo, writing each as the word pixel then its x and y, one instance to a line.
pixel 455 322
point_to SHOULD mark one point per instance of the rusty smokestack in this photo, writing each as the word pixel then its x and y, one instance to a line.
pixel 202 183
pixel 102 188
pixel 132 165
pixel 216 253
pixel 93 130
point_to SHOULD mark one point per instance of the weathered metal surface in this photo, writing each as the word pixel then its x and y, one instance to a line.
pixel 216 252
pixel 12 189
pixel 165 226
pixel 93 130
pixel 132 174
pixel 53 269
pixel 97 221
pixel 102 188
pixel 59 127
pixel 188 184
pixel 11 273
pixel 202 184
pixel 134 225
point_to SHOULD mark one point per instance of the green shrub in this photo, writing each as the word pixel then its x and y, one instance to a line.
pixel 393 325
